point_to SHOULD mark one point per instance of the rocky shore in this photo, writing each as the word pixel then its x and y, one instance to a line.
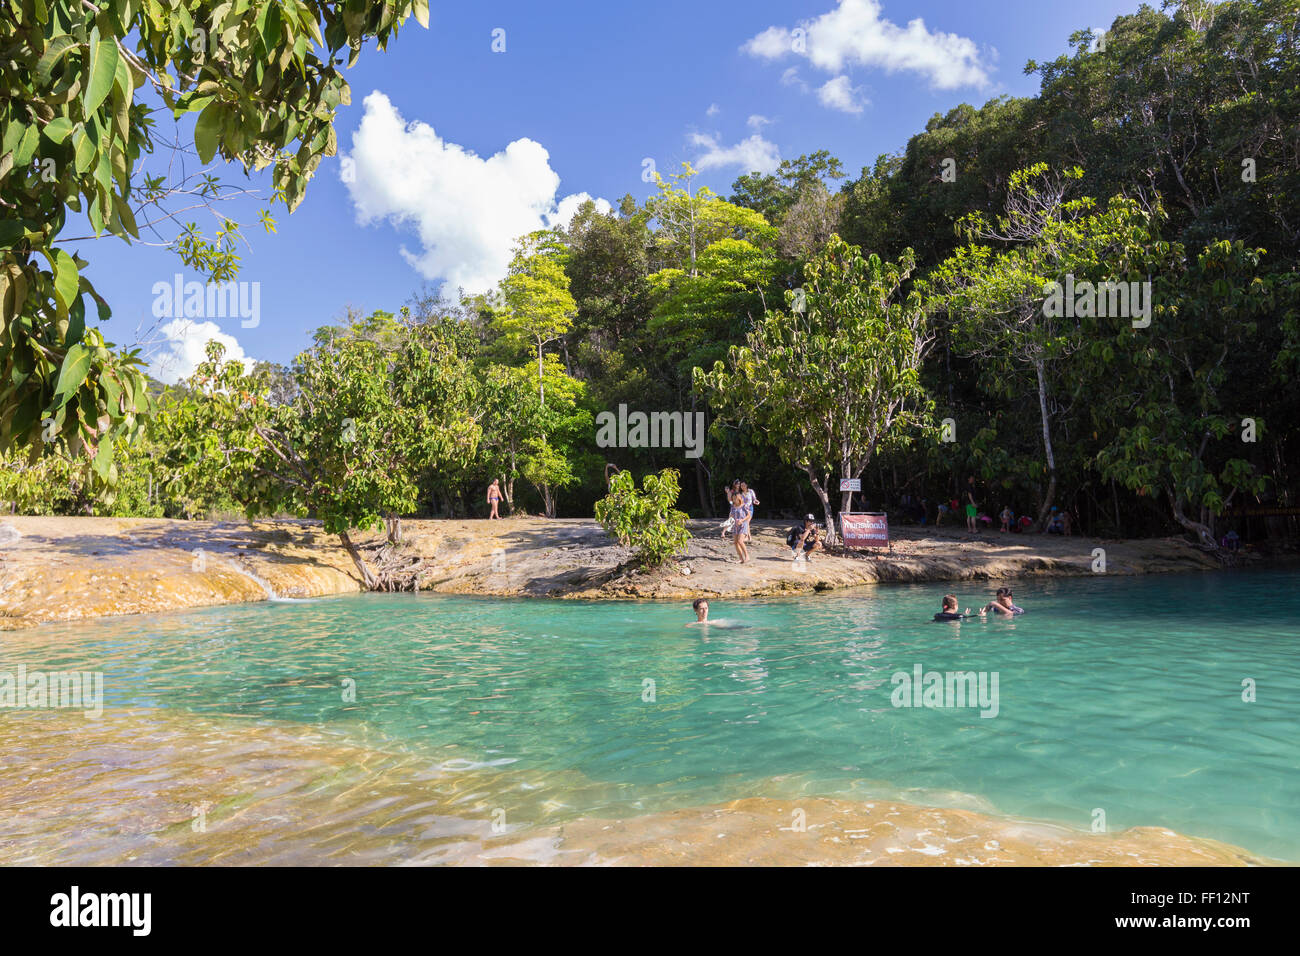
pixel 64 569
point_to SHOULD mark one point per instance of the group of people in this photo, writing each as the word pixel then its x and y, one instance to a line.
pixel 802 539
pixel 1058 521
pixel 1001 604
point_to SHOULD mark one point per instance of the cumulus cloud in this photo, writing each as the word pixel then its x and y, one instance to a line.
pixel 752 154
pixel 757 121
pixel 182 346
pixel 568 207
pixel 466 210
pixel 855 34
pixel 839 94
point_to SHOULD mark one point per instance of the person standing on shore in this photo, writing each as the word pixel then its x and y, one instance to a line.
pixel 730 492
pixel 494 498
pixel 740 528
pixel 751 499
pixel 972 507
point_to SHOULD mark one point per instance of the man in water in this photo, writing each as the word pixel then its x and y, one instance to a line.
pixel 950 612
pixel 803 540
pixel 701 606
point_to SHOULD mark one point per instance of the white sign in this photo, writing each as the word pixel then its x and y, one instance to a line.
pixel 850 484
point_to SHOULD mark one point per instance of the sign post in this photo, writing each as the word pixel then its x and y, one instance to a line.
pixel 850 485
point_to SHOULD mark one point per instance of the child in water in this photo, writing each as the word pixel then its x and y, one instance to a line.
pixel 950 612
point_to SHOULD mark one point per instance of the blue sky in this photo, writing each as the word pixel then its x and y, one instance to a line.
pixel 600 88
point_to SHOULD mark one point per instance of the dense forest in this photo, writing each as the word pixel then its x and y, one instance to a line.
pixel 1085 299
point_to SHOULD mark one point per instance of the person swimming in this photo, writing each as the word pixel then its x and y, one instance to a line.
pixel 701 608
pixel 950 612
pixel 1002 604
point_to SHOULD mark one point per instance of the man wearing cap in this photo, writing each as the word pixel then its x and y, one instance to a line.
pixel 803 539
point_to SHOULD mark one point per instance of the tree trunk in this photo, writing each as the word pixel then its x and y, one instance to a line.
pixel 1046 506
pixel 817 486
pixel 846 471
pixel 1203 533
pixel 393 524
pixel 548 500
pixel 541 385
pixel 367 576
pixel 508 487
pixel 702 489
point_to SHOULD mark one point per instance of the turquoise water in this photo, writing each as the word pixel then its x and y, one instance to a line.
pixel 1123 694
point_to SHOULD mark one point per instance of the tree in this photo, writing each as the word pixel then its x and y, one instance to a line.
pixel 999 298
pixel 690 220
pixel 810 222
pixel 773 194
pixel 538 305
pixel 524 438
pixel 836 375
pixel 368 417
pixel 74 131
pixel 1182 435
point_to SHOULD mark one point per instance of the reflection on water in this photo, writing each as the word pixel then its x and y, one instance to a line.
pixel 305 727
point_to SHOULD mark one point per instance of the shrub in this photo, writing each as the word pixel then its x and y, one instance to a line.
pixel 645 521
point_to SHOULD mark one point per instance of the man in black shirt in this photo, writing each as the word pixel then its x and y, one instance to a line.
pixel 803 538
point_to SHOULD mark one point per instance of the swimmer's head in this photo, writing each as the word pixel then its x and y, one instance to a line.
pixel 950 602
pixel 701 606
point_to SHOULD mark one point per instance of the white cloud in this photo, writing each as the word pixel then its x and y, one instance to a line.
pixel 466 210
pixel 752 154
pixel 791 78
pixel 839 94
pixel 771 43
pixel 568 208
pixel 713 110
pixel 757 121
pixel 855 34
pixel 183 347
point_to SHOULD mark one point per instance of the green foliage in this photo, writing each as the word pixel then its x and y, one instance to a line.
pixel 538 305
pixel 646 521
pixel 263 83
pixel 836 375
pixel 773 194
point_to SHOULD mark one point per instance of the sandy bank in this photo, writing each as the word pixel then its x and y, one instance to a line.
pixel 62 569
pixel 159 788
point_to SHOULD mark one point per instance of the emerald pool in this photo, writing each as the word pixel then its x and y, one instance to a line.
pixel 1120 694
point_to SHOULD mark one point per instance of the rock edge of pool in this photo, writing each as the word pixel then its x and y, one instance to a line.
pixel 59 569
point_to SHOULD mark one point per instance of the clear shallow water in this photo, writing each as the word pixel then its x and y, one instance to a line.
pixel 1123 694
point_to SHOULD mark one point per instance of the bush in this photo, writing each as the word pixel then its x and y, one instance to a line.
pixel 645 521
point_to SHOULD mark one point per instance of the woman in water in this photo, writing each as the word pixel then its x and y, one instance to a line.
pixel 1002 604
